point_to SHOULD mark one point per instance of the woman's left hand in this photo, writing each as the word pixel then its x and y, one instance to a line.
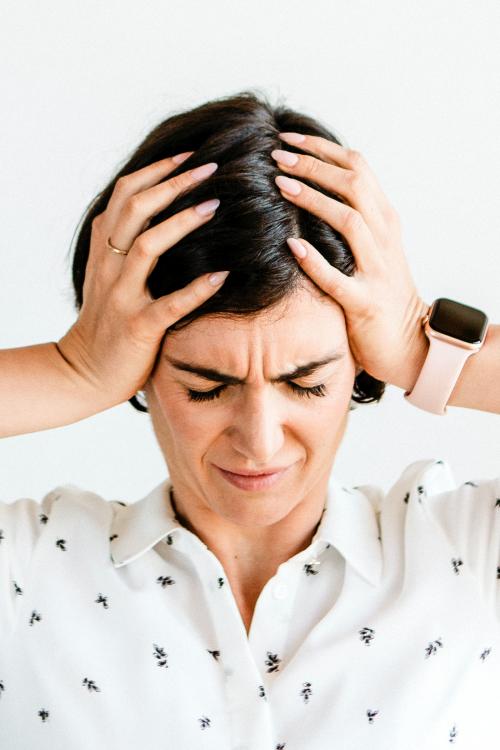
pixel 382 307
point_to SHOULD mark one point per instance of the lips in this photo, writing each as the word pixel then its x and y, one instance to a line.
pixel 264 473
pixel 246 481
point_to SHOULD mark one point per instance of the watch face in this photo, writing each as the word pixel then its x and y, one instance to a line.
pixel 459 321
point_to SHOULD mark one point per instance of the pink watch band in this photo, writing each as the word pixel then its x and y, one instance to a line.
pixel 439 374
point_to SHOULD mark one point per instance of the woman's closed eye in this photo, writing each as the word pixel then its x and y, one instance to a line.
pixel 316 390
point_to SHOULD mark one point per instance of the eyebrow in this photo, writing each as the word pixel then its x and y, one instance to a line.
pixel 219 377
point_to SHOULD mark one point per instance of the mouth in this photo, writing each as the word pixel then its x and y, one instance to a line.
pixel 249 481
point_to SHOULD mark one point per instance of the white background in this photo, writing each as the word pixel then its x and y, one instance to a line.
pixel 413 86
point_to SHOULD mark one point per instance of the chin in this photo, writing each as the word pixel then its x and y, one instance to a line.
pixel 261 513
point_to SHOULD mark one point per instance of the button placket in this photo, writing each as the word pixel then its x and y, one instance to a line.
pixel 271 620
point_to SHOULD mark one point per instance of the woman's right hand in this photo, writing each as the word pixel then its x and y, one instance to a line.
pixel 114 342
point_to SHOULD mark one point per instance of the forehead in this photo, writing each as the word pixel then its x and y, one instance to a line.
pixel 303 325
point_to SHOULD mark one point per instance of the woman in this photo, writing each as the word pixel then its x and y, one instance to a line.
pixel 250 600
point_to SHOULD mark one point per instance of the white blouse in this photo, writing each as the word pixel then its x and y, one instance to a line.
pixel 119 629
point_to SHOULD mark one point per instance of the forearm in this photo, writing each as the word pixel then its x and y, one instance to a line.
pixel 39 390
pixel 478 386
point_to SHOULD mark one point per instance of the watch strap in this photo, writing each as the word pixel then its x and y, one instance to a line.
pixel 438 376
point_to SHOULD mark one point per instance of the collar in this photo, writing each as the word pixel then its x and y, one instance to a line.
pixel 349 523
pixel 138 526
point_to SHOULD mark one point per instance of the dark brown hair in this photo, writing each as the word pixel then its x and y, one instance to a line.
pixel 247 236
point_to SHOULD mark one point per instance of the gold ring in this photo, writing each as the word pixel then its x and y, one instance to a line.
pixel 115 249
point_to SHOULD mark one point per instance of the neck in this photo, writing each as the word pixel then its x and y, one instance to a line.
pixel 249 567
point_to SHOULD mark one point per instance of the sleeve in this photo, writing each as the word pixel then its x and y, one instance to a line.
pixel 22 523
pixel 470 518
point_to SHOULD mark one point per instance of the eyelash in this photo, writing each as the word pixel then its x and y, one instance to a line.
pixel 316 390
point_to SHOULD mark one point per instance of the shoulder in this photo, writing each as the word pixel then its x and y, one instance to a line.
pixel 428 489
pixel 432 482
pixel 23 520
pixel 465 515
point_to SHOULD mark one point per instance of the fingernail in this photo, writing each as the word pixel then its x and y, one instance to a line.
pixel 296 247
pixel 217 278
pixel 208 207
pixel 285 157
pixel 288 185
pixel 179 158
pixel 292 138
pixel 204 171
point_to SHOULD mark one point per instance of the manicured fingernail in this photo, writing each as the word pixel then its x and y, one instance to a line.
pixel 296 247
pixel 285 157
pixel 292 138
pixel 179 158
pixel 204 171
pixel 208 207
pixel 288 185
pixel 217 278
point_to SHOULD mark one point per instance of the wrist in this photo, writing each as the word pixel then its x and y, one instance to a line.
pixel 39 391
pixel 459 365
pixel 75 365
pixel 416 350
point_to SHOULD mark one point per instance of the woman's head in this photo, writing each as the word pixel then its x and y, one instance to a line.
pixel 248 234
pixel 267 319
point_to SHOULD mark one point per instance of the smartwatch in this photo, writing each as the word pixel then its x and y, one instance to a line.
pixel 455 332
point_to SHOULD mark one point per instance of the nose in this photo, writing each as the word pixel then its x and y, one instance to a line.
pixel 256 431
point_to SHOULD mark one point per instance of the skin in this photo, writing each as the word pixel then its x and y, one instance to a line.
pixel 254 426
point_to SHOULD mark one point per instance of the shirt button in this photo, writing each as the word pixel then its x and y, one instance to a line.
pixel 280 591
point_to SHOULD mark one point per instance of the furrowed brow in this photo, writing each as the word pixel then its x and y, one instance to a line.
pixel 219 377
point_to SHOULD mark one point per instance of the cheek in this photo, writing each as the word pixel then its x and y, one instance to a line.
pixel 184 422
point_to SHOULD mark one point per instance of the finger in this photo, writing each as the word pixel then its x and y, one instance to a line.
pixel 141 179
pixel 338 285
pixel 167 310
pixel 333 153
pixel 341 217
pixel 326 149
pixel 152 243
pixel 140 207
pixel 359 188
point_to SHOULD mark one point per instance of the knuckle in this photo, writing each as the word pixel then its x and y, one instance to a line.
pixel 188 298
pixel 168 189
pixel 313 200
pixel 175 307
pixel 311 165
pixel 179 182
pixel 356 159
pixel 352 221
pixel 97 221
pixel 355 182
pixel 122 185
pixel 184 221
pixel 143 246
pixel 134 205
